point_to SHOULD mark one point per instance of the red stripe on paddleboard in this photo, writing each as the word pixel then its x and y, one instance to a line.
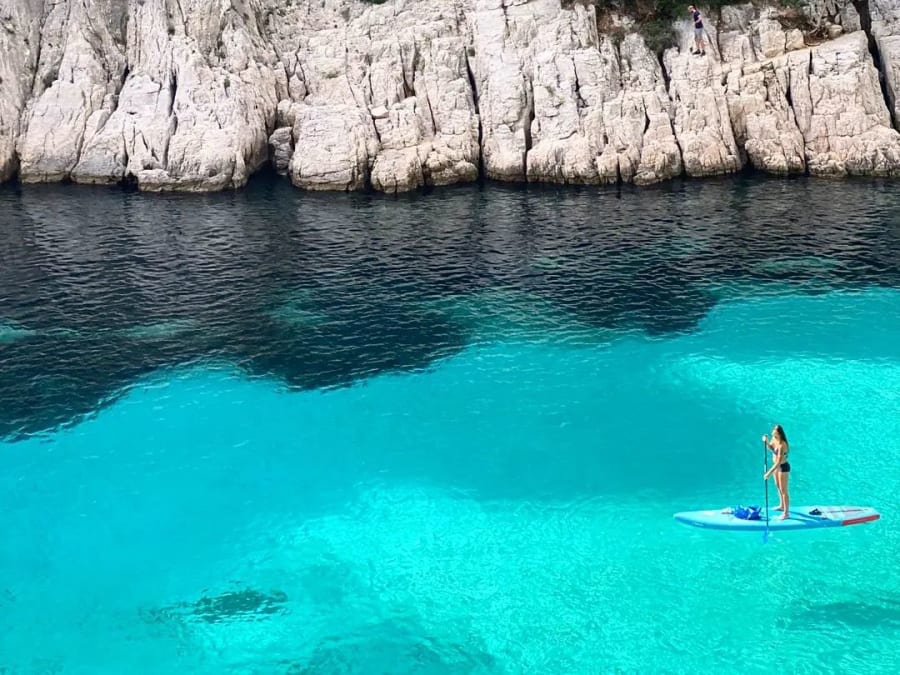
pixel 864 519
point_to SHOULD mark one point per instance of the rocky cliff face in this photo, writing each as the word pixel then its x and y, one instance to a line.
pixel 346 94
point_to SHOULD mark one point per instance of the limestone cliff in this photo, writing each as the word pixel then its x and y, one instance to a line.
pixel 346 94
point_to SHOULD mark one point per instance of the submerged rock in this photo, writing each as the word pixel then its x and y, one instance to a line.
pixel 347 95
pixel 246 604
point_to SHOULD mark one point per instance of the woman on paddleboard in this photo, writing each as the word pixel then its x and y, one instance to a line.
pixel 780 467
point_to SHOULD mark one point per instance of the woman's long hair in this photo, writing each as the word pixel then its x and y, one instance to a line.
pixel 778 430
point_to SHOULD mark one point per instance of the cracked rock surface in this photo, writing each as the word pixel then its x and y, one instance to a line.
pixel 196 95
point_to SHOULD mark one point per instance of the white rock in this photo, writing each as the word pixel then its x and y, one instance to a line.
pixel 563 145
pixel 735 33
pixel 500 36
pixel 342 94
pixel 405 67
pixel 196 108
pixel 659 157
pixel 334 145
pixel 889 50
pixel 849 17
pixel 769 37
pixel 885 15
pixel 281 146
pixel 79 73
pixel 19 48
pixel 842 12
pixel 134 138
pixel 763 120
pixel 841 112
pixel 398 171
pixel 702 122
pixel 794 40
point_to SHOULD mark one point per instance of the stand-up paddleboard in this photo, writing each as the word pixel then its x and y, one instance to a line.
pixel 801 518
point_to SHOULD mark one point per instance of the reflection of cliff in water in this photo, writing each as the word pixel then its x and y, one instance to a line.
pixel 100 287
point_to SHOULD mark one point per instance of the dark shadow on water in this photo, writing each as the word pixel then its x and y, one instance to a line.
pixel 348 345
pixel 390 648
pixel 365 646
pixel 242 605
pixel 100 286
pixel 879 613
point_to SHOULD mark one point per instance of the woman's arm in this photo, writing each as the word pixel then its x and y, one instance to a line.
pixel 776 462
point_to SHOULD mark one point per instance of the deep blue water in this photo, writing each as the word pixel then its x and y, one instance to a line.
pixel 323 290
pixel 279 432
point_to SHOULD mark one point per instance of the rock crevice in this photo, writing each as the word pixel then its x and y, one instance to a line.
pixel 884 46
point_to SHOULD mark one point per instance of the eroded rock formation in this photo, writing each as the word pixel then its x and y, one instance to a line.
pixel 346 94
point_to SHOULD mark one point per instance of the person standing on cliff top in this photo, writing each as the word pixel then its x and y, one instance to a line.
pixel 698 31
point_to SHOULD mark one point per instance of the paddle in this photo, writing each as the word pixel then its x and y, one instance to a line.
pixel 765 480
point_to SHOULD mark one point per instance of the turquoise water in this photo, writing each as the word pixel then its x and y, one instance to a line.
pixel 506 509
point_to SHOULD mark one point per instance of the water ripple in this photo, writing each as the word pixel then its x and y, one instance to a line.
pixel 99 287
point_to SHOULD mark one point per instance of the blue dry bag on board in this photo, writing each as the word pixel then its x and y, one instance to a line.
pixel 746 512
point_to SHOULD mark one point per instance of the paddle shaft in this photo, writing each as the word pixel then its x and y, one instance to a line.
pixel 766 480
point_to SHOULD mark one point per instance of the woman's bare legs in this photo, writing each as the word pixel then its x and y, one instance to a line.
pixel 780 506
pixel 785 496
